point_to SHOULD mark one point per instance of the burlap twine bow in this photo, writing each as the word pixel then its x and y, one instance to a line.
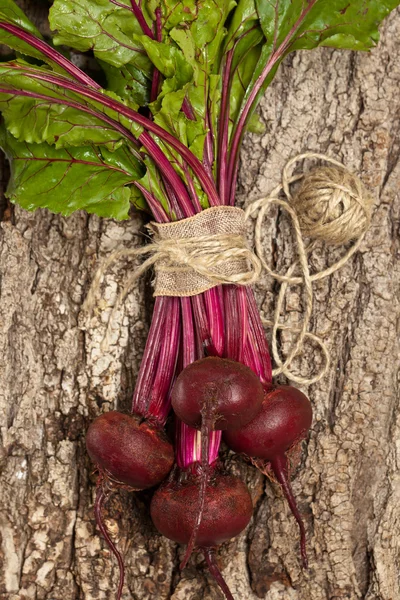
pixel 209 249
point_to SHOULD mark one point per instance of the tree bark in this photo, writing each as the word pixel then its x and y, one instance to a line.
pixel 54 379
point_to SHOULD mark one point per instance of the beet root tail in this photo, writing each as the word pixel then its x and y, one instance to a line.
pixel 98 507
pixel 205 441
pixel 280 468
pixel 209 555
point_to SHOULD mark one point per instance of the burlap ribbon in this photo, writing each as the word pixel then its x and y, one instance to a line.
pixel 197 253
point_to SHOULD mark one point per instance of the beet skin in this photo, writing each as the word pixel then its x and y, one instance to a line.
pixel 225 392
pixel 129 449
pixel 284 419
pixel 227 511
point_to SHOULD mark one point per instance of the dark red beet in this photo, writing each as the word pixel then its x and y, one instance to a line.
pixel 227 511
pixel 129 449
pixel 226 393
pixel 285 419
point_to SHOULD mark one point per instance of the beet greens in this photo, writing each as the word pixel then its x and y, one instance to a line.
pixel 158 126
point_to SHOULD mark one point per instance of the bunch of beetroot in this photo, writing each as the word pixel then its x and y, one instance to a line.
pixel 199 504
pixel 160 126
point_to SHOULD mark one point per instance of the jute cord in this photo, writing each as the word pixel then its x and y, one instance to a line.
pixel 330 205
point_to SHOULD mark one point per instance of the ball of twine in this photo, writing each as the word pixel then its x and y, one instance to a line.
pixel 332 205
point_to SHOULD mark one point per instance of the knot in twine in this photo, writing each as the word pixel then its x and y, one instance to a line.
pixel 210 249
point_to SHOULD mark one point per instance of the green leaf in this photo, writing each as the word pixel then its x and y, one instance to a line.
pixel 34 121
pixel 152 182
pixel 11 13
pixel 240 80
pixel 174 13
pixel 128 82
pixel 138 201
pixel 112 32
pixel 296 24
pixel 68 180
pixel 304 24
pixel 19 76
pixel 197 28
pixel 200 42
pixel 255 125
pixel 170 61
pixel 169 117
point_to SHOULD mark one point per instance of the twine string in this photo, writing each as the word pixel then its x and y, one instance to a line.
pixel 340 212
pixel 331 205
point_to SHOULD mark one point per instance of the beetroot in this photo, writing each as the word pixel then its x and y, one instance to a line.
pixel 227 511
pixel 129 449
pixel 224 392
pixel 128 452
pixel 284 420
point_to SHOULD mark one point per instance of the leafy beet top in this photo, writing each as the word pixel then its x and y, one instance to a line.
pixel 182 82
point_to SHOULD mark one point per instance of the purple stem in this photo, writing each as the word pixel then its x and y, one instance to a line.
pixel 205 343
pixel 168 171
pixel 189 347
pixel 148 366
pixel 160 402
pixel 141 20
pixel 192 190
pixel 232 314
pixel 209 555
pixel 188 110
pixel 98 507
pixel 215 317
pixel 274 58
pixel 188 445
pixel 260 343
pixel 208 157
pixel 233 185
pixel 280 468
pixel 156 208
pixel 52 54
pixel 243 324
pixel 175 206
pixel 155 84
pixel 251 358
pixel 223 182
pixel 158 24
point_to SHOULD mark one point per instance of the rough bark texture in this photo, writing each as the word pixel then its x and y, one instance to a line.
pixel 54 379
